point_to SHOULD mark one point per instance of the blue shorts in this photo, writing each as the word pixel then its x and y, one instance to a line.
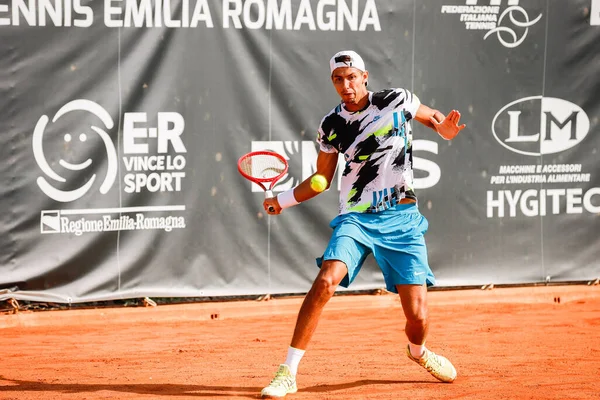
pixel 394 236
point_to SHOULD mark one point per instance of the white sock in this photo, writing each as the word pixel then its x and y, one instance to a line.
pixel 416 350
pixel 293 359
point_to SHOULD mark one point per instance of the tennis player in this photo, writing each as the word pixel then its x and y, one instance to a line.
pixel 378 212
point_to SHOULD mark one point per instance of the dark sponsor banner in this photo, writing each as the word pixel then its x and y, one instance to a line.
pixel 123 122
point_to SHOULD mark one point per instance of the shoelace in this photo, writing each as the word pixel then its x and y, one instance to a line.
pixel 280 379
pixel 433 359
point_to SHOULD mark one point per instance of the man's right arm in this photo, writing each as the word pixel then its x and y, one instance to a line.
pixel 326 165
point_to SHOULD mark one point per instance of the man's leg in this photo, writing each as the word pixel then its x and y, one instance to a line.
pixel 324 286
pixel 414 304
pixel 331 274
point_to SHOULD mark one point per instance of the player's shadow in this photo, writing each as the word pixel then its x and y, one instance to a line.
pixel 153 389
pixel 362 382
pixel 158 389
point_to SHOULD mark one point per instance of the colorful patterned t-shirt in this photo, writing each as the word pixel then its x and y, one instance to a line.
pixel 377 146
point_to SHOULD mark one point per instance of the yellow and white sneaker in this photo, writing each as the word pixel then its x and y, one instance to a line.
pixel 438 366
pixel 283 383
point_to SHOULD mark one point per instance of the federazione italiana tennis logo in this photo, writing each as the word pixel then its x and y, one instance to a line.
pixel 153 160
pixel 505 20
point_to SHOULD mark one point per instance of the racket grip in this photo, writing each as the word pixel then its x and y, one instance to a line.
pixel 268 195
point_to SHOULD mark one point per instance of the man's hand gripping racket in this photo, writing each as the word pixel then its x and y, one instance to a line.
pixel 263 168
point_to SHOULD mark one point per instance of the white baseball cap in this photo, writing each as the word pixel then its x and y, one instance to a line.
pixel 346 58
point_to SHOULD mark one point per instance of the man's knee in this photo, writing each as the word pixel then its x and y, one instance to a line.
pixel 332 273
pixel 324 286
pixel 416 310
pixel 417 316
pixel 414 303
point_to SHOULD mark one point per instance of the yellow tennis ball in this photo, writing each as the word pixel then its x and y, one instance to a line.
pixel 318 183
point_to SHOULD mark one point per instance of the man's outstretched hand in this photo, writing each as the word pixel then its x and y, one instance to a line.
pixel 448 128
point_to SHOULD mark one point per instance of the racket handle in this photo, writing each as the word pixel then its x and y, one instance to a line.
pixel 268 195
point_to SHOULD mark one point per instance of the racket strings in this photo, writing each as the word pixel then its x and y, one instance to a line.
pixel 263 166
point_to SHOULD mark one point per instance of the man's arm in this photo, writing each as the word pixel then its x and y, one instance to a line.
pixel 425 113
pixel 446 126
pixel 326 165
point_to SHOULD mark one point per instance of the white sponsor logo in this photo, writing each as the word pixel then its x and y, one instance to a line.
pixel 557 125
pixel 40 157
pixel 308 161
pixel 323 15
pixel 326 16
pixel 535 126
pixel 50 221
pixel 549 173
pixel 510 26
pixel 148 169
pixel 44 12
pixel 154 159
pixel 159 172
pixel 57 221
pixel 534 202
pixel 595 13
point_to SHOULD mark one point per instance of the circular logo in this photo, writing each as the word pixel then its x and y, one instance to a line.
pixel 38 152
pixel 524 23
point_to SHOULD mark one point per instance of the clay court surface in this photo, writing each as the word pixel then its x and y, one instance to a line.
pixel 516 343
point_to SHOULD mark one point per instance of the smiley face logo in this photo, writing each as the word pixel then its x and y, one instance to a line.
pixel 111 154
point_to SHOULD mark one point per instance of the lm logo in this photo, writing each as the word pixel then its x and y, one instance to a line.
pixel 539 125
pixel 75 106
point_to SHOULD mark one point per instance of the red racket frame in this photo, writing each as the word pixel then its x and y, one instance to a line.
pixel 262 181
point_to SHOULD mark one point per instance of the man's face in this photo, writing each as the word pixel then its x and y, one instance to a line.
pixel 349 82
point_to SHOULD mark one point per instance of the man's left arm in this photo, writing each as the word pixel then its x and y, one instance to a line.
pixel 445 125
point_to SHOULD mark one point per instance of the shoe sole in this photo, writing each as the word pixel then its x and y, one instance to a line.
pixel 264 396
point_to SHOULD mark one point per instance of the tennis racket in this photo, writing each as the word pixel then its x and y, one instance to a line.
pixel 263 168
